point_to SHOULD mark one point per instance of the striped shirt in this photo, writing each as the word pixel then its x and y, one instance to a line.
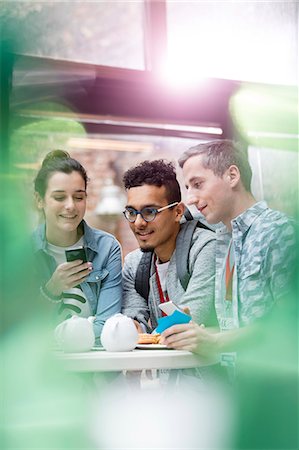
pixel 74 301
pixel 264 253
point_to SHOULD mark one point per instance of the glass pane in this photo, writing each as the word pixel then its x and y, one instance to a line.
pixel 105 32
pixel 275 178
pixel 253 41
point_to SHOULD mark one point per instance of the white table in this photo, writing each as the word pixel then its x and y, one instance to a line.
pixel 102 361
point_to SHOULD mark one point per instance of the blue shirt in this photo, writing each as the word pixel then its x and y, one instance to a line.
pixel 103 287
pixel 264 252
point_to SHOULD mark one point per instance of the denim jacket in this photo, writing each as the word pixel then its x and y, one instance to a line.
pixel 103 287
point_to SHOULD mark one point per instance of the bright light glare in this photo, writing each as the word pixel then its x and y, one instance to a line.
pixel 183 68
pixel 180 73
pixel 224 46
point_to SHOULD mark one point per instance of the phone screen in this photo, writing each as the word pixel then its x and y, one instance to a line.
pixel 76 253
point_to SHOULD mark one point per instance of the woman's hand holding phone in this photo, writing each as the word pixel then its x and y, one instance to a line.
pixel 68 275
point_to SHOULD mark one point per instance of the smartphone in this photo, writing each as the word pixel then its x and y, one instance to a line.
pixel 169 308
pixel 76 253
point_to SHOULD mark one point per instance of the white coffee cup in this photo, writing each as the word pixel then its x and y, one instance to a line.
pixel 75 334
pixel 119 334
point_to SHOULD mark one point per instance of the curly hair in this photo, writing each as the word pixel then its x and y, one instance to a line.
pixel 155 173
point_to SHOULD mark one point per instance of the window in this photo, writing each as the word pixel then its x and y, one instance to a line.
pixel 104 32
pixel 252 41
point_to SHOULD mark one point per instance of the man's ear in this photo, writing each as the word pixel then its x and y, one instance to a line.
pixel 233 175
pixel 38 200
pixel 180 209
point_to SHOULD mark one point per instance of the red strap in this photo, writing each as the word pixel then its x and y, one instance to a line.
pixel 161 295
pixel 229 272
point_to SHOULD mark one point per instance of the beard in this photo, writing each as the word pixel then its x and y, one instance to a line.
pixel 147 249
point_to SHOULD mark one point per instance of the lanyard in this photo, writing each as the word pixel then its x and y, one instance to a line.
pixel 161 295
pixel 229 272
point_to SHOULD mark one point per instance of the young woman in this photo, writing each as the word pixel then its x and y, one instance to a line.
pixel 77 287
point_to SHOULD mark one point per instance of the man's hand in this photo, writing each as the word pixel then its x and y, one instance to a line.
pixel 192 337
pixel 138 326
pixel 68 275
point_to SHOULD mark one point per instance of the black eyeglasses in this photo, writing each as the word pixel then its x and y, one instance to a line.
pixel 148 214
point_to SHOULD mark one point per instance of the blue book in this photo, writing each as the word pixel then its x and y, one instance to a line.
pixel 175 318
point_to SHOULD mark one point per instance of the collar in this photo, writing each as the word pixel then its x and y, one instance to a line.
pixel 40 241
pixel 39 238
pixel 90 237
pixel 244 221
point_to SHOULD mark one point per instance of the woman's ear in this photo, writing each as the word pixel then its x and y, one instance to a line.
pixel 39 201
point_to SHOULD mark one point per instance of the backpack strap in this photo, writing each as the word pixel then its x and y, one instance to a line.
pixel 187 214
pixel 143 275
pixel 183 245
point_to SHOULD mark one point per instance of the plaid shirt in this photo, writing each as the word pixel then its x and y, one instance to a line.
pixel 264 252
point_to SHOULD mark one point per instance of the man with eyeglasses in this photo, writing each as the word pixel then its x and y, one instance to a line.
pixel 154 212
